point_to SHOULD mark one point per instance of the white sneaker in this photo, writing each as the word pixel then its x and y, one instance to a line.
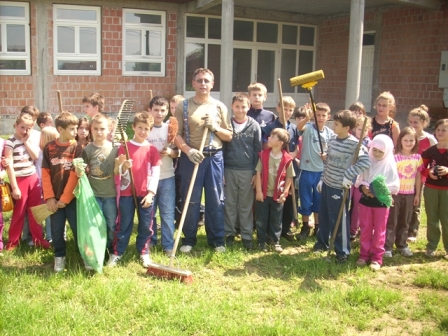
pixel 220 249
pixel 430 253
pixel 113 260
pixel 387 254
pixel 87 266
pixel 59 264
pixel 146 260
pixel 406 252
pixel 375 266
pixel 186 248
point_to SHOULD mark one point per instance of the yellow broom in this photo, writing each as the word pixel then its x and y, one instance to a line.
pixel 41 212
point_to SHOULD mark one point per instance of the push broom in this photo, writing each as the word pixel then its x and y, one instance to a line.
pixel 308 81
pixel 170 272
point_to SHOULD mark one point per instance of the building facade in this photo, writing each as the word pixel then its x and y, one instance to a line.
pixel 123 49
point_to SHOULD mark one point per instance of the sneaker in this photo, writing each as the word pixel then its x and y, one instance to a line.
pixel 278 248
pixel 186 248
pixel 361 262
pixel 263 247
pixel 352 237
pixel 304 232
pixel 10 247
pixel 30 243
pixel 59 264
pixel 430 253
pixel 289 236
pixel 220 249
pixel 247 244
pixel 406 252
pixel 318 251
pixel 146 260
pixel 341 260
pixel 113 260
pixel 87 266
pixel 168 253
pixel 387 254
pixel 375 266
pixel 230 240
pixel 412 239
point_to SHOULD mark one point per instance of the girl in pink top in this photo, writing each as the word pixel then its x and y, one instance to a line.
pixel 419 119
pixel 409 166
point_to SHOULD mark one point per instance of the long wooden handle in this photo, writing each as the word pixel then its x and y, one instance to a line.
pixel 187 200
pixel 313 106
pixel 292 188
pixel 60 101
pixel 131 175
pixel 344 197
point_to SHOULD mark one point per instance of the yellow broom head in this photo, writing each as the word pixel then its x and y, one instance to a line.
pixel 40 212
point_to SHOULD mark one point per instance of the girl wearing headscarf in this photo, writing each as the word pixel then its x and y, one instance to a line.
pixel 374 219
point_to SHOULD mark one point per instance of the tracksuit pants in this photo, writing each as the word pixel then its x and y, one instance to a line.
pixel 329 207
pixel 31 196
pixel 373 233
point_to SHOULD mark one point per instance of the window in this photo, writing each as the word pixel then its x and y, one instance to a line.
pixel 262 51
pixel 143 43
pixel 14 38
pixel 76 36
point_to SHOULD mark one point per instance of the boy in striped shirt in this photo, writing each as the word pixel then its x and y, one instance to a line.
pixel 339 173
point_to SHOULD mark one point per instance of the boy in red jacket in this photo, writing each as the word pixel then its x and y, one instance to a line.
pixel 273 180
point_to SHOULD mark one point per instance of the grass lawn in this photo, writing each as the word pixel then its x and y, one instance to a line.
pixel 235 293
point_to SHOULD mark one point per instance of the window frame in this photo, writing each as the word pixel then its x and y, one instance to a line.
pixel 162 28
pixel 77 56
pixel 26 55
pixel 255 46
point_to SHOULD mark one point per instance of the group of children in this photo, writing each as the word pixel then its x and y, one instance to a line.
pixel 272 155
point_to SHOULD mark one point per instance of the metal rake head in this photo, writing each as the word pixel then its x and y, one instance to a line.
pixel 123 118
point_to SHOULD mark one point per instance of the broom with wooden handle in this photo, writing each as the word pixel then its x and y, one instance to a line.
pixel 344 197
pixel 41 212
pixel 170 272
pixel 292 189
pixel 59 101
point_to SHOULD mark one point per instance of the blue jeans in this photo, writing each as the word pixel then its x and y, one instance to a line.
pixel 210 178
pixel 268 217
pixel 58 227
pixel 108 206
pixel 165 199
pixel 124 228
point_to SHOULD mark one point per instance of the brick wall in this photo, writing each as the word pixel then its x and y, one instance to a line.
pixel 111 84
pixel 411 43
pixel 410 46
pixel 18 91
pixel 332 54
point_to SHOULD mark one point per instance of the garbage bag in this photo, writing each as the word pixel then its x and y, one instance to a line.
pixel 92 232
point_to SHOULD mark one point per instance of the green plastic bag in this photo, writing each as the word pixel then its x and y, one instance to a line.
pixel 92 232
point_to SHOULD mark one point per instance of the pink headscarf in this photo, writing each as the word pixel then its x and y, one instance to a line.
pixel 386 166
